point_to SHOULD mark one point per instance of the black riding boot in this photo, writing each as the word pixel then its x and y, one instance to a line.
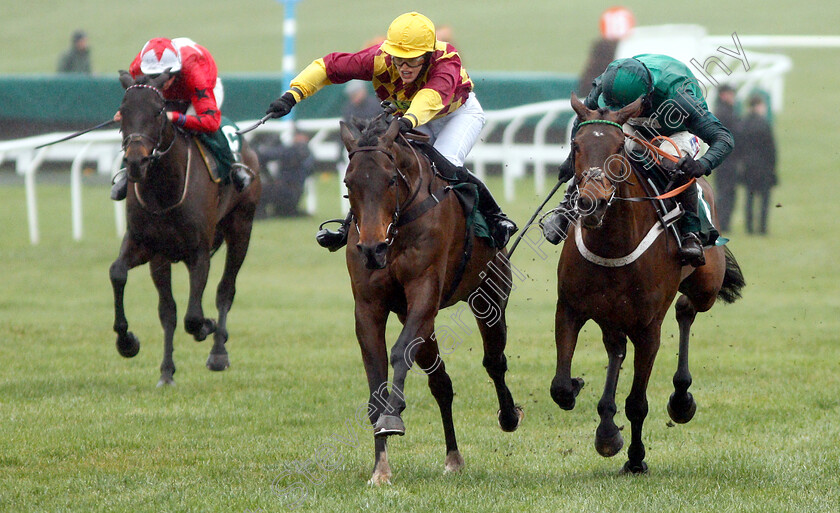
pixel 691 252
pixel 556 226
pixel 501 227
pixel 334 240
pixel 120 187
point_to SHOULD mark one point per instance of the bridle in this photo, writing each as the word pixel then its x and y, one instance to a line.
pixel 156 153
pixel 399 207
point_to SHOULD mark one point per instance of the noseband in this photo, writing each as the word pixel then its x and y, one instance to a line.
pixel 392 230
pixel 136 137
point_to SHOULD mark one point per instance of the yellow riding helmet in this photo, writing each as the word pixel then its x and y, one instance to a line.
pixel 410 35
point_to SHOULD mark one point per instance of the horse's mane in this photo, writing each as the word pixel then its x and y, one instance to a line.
pixel 371 129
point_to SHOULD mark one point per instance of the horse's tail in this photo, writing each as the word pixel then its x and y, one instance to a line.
pixel 733 279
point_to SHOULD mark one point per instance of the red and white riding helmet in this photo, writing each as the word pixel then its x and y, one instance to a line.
pixel 158 55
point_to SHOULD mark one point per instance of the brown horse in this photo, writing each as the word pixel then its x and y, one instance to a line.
pixel 627 297
pixel 176 212
pixel 408 254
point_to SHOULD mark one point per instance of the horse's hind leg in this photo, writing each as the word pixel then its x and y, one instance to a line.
pixel 488 306
pixel 608 440
pixel 194 321
pixel 161 271
pixel 237 238
pixel 700 291
pixel 131 255
pixel 681 405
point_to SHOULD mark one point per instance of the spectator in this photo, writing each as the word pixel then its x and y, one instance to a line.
pixel 361 103
pixel 287 169
pixel 77 58
pixel 726 175
pixel 759 162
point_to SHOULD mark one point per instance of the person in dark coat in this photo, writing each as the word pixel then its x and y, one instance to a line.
pixel 77 58
pixel 759 158
pixel 726 175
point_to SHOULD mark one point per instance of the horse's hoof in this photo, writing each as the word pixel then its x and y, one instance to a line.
pixel 454 462
pixel 128 345
pixel 378 479
pixel 635 469
pixel 200 329
pixel 218 362
pixel 166 381
pixel 388 425
pixel 565 399
pixel 608 446
pixel 681 411
pixel 509 423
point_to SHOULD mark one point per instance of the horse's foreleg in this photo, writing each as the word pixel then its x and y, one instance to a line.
pixel 488 305
pixel 370 332
pixel 161 271
pixel 608 440
pixel 428 360
pixel 564 389
pixel 131 255
pixel 681 405
pixel 237 237
pixel 194 322
pixel 636 407
pixel 419 324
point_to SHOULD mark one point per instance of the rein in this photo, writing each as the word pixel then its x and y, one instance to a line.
pixel 657 154
pixel 183 194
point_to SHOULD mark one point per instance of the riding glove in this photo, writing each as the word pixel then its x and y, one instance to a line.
pixel 692 168
pixel 405 125
pixel 281 106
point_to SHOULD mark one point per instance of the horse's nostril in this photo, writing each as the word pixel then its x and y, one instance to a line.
pixel 360 248
pixel 381 248
pixel 584 204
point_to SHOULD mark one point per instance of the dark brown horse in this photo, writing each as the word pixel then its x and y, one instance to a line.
pixel 601 276
pixel 406 255
pixel 176 213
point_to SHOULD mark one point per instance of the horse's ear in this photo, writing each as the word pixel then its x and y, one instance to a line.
pixel 126 80
pixel 161 79
pixel 393 131
pixel 579 108
pixel 630 111
pixel 349 135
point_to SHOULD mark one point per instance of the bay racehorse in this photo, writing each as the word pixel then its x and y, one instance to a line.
pixel 601 276
pixel 176 212
pixel 410 253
